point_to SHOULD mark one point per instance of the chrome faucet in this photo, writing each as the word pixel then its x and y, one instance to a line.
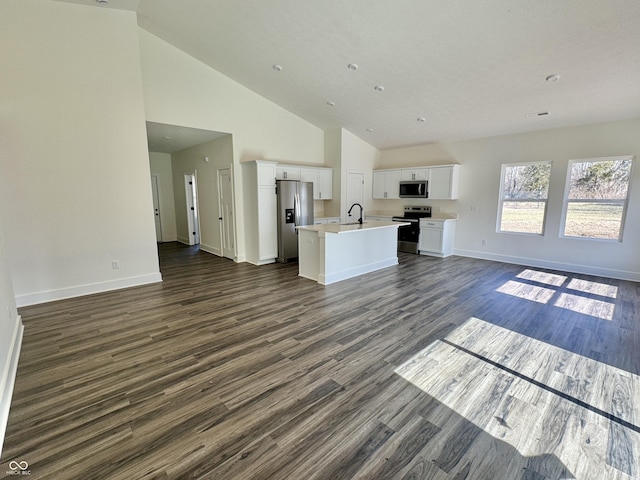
pixel 351 208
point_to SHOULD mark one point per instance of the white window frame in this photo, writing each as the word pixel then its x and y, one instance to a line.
pixel 501 199
pixel 566 200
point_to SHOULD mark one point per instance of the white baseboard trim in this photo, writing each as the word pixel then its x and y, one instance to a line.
pixel 213 250
pixel 356 271
pixel 184 240
pixel 566 267
pixel 8 379
pixel 88 289
pixel 240 259
pixel 261 262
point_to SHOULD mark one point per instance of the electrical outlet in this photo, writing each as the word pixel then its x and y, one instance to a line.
pixel 484 243
pixel 115 264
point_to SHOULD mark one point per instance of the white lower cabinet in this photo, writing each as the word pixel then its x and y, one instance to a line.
pixel 436 237
pixel 322 220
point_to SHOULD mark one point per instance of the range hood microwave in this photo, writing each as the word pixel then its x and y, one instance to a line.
pixel 413 189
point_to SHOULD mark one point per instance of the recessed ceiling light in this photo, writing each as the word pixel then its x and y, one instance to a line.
pixel 379 88
pixel 277 68
pixel 331 104
pixel 102 2
pixel 352 66
pixel 370 130
pixel 421 119
pixel 553 78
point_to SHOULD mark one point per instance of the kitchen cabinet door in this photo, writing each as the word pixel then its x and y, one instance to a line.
pixel 325 185
pixel 415 174
pixel 392 184
pixel 287 172
pixel 379 179
pixel 259 190
pixel 267 223
pixel 322 179
pixel 431 240
pixel 436 237
pixel 386 183
pixel 443 182
pixel 309 175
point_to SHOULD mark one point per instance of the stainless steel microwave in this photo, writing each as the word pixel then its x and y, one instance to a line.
pixel 414 189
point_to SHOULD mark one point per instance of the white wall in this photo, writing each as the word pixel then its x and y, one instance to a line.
pixel 359 156
pixel 333 159
pixel 161 166
pixel 75 191
pixel 180 90
pixel 10 340
pixel 190 161
pixel 481 161
pixel 346 152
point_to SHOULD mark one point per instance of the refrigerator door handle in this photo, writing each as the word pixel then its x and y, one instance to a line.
pixel 296 209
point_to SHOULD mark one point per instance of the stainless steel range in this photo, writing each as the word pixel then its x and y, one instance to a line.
pixel 409 235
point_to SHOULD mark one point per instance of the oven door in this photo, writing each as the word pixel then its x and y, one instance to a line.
pixel 408 235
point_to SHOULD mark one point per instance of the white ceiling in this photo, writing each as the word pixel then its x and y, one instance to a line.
pixel 470 68
pixel 172 138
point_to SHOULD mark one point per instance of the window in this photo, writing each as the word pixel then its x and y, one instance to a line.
pixel 596 198
pixel 523 197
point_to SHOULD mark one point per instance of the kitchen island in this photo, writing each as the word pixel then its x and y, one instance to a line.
pixel 329 253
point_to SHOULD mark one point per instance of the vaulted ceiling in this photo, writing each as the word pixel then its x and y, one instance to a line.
pixel 427 70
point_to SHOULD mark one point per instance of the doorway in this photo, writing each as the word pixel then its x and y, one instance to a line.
pixel 191 192
pixel 225 197
pixel 355 190
pixel 156 207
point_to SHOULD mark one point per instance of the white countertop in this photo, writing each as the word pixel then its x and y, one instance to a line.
pixel 341 228
pixel 439 218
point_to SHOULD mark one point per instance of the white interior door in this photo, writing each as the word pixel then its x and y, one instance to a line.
pixel 355 194
pixel 156 207
pixel 227 230
pixel 191 191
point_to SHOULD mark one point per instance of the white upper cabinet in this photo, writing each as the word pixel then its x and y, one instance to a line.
pixel 322 179
pixel 415 174
pixel 443 182
pixel 287 172
pixel 325 184
pixel 309 175
pixel 386 183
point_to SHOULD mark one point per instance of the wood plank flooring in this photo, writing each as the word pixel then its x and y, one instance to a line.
pixel 435 369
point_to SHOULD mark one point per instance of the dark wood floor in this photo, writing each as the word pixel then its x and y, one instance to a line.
pixel 435 369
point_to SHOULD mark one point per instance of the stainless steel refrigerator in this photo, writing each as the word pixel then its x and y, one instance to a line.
pixel 295 208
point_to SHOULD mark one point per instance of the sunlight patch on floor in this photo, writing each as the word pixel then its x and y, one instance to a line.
pixel 595 308
pixel 541 399
pixel 577 295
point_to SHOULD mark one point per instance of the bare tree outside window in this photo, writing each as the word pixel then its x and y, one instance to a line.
pixel 523 198
pixel 596 198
